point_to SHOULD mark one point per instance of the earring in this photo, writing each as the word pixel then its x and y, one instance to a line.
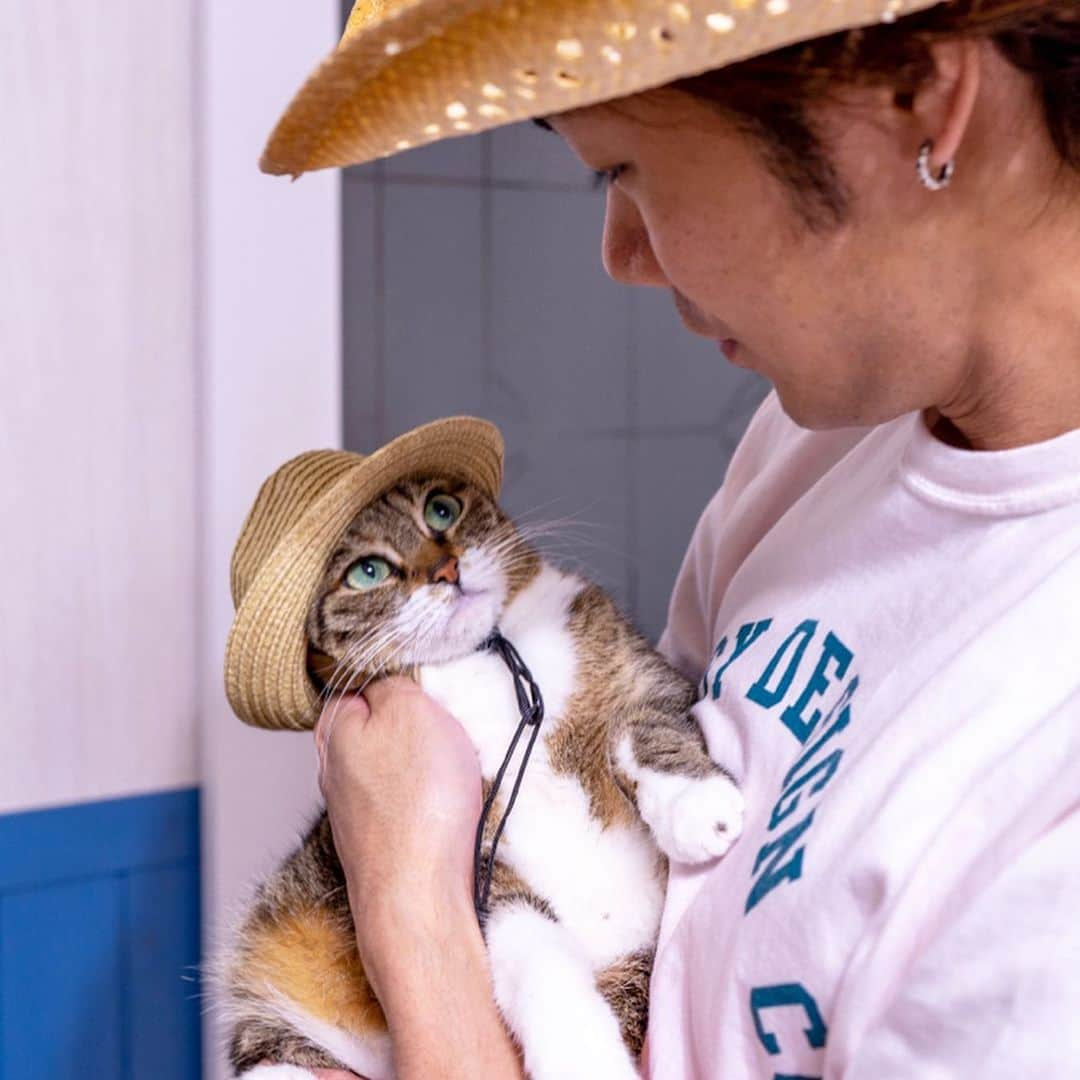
pixel 922 168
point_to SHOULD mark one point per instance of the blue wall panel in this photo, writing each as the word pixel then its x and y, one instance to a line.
pixel 99 941
pixel 163 906
pixel 90 839
pixel 63 996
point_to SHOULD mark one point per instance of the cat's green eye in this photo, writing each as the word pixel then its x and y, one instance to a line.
pixel 441 511
pixel 367 572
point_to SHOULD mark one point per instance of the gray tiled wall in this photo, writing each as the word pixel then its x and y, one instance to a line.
pixel 473 284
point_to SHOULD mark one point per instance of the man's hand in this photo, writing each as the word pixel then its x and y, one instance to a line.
pixel 402 786
pixel 403 790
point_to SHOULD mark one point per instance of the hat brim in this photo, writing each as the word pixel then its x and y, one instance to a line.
pixel 266 674
pixel 434 69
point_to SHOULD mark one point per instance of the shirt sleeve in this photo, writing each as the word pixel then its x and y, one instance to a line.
pixel 996 994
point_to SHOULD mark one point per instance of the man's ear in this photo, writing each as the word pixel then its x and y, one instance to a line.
pixel 945 103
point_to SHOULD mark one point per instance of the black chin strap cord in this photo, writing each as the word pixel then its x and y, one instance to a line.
pixel 531 706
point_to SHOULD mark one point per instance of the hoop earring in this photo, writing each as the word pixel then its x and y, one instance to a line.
pixel 922 168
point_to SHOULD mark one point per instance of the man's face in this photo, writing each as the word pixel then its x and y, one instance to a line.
pixel 853 323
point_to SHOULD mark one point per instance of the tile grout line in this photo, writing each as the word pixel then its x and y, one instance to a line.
pixel 379 214
pixel 634 420
pixel 487 247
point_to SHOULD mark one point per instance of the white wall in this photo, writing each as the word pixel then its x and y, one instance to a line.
pixel 98 545
pixel 169 333
pixel 270 348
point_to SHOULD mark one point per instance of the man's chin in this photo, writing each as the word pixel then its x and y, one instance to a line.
pixel 796 410
pixel 814 414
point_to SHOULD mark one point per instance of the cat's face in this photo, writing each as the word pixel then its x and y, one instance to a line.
pixel 420 576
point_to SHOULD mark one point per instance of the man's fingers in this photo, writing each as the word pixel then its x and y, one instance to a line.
pixel 381 690
pixel 356 708
pixel 335 711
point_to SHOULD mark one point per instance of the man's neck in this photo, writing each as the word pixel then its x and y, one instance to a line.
pixel 1022 384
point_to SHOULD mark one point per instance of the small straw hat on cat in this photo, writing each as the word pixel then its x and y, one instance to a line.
pixel 410 72
pixel 300 514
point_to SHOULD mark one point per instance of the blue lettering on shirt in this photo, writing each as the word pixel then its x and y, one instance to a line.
pixel 787 995
pixel 781 856
pixel 769 696
pixel 833 651
pixel 744 638
pixel 772 868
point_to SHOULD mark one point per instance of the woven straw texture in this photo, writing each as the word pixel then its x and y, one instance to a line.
pixel 410 72
pixel 299 516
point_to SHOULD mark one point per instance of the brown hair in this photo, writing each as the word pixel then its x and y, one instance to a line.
pixel 770 97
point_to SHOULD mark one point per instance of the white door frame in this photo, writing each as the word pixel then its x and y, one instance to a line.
pixel 268 282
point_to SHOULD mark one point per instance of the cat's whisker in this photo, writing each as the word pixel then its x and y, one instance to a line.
pixel 539 538
pixel 526 527
pixel 499 548
pixel 537 508
pixel 514 561
pixel 391 642
pixel 360 654
pixel 574 533
pixel 352 672
pixel 366 639
pixel 374 674
pixel 594 543
pixel 544 538
pixel 363 646
pixel 355 649
pixel 532 527
pixel 399 636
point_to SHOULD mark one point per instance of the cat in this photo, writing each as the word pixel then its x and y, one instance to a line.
pixel 619 781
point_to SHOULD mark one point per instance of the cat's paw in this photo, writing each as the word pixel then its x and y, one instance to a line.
pixel 592 1059
pixel 700 822
pixel 546 989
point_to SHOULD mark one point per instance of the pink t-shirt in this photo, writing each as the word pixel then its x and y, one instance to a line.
pixel 887 634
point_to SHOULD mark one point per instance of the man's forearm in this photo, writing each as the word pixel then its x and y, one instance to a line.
pixel 430 970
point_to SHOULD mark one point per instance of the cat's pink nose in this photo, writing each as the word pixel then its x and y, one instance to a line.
pixel 446 570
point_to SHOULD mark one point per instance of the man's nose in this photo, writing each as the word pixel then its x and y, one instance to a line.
pixel 627 250
pixel 445 570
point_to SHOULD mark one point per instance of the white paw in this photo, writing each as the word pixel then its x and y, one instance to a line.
pixel 700 821
pixel 546 989
pixel 592 1058
pixel 278 1072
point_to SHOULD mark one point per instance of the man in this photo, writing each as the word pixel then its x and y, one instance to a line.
pixel 880 602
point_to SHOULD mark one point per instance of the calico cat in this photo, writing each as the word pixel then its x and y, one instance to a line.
pixel 619 781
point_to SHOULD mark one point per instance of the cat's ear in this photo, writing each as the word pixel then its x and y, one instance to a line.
pixel 320 666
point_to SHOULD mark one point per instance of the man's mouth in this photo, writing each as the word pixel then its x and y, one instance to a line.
pixel 697 322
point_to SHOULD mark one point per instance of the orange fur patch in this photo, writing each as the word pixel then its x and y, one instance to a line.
pixel 312 959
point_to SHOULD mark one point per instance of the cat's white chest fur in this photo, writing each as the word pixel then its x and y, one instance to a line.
pixel 601 883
